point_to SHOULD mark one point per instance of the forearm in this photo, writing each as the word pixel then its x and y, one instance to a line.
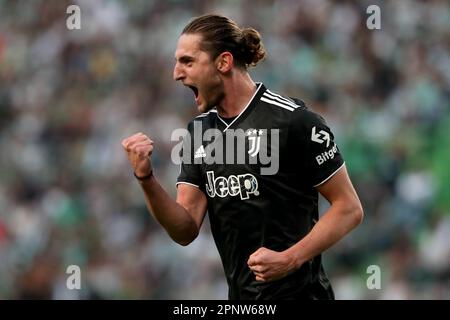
pixel 177 221
pixel 333 226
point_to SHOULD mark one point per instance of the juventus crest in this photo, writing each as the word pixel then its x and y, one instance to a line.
pixel 254 138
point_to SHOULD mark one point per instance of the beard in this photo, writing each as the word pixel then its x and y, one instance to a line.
pixel 212 94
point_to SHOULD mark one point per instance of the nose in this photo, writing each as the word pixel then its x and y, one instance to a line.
pixel 178 72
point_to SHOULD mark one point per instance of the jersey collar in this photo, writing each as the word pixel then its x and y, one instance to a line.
pixel 247 110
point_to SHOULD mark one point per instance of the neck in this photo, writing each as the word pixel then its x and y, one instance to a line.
pixel 239 89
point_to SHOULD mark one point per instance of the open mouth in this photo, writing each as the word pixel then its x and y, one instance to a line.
pixel 195 90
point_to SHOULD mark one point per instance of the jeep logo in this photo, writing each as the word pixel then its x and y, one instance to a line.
pixel 243 185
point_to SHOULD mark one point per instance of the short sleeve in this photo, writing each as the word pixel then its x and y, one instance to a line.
pixel 190 170
pixel 321 155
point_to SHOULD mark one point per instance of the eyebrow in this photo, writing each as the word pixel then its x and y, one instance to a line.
pixel 185 59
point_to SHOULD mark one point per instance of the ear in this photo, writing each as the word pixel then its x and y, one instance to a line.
pixel 224 62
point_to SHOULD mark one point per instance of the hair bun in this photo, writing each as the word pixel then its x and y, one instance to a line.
pixel 252 47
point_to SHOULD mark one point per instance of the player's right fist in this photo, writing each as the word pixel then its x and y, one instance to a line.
pixel 139 148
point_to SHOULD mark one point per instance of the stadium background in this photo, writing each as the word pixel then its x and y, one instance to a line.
pixel 68 98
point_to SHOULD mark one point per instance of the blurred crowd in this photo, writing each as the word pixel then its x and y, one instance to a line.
pixel 69 97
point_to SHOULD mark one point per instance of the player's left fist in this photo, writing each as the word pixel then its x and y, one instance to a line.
pixel 268 265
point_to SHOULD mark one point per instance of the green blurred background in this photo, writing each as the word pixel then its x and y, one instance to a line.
pixel 69 97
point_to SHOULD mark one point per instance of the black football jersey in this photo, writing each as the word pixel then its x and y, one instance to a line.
pixel 259 172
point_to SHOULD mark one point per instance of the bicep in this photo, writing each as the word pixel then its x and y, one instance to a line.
pixel 339 189
pixel 193 200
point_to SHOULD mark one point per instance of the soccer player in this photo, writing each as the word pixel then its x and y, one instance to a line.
pixel 265 223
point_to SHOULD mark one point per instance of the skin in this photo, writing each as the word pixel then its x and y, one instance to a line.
pixel 222 85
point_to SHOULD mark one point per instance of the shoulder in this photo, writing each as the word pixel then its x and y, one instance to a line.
pixel 281 103
pixel 294 109
pixel 306 118
pixel 205 120
pixel 308 125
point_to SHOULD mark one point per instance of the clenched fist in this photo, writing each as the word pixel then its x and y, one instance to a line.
pixel 139 148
